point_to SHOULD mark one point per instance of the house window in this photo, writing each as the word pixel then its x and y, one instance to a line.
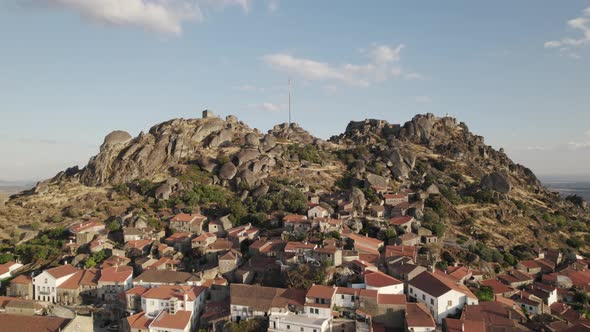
pixel 288 327
pixel 450 303
pixel 423 297
pixel 432 301
pixel 411 290
pixel 301 329
pixel 342 297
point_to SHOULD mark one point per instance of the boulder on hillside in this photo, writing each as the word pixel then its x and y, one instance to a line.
pixel 207 164
pixel 357 197
pixel 496 181
pixel 377 180
pixel 228 171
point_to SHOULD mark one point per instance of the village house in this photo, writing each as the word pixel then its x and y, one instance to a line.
pixel 241 233
pixel 515 278
pixel 318 211
pixel 45 284
pixel 21 286
pixel 382 283
pixel 164 263
pixel 327 225
pixel 113 281
pixel 8 269
pixel 267 247
pixel 312 198
pixel 132 234
pixel 173 300
pixel 418 319
pixel 377 211
pixel 249 301
pixel 203 240
pixel 403 269
pixel 328 255
pixel 392 252
pixel 530 303
pixel 153 278
pixel 216 227
pixel 190 223
pixel 364 244
pixel 404 223
pixel 229 263
pixel 319 301
pixel 408 239
pixel 400 209
pixel 386 310
pixel 83 284
pixel 443 296
pixel 296 223
pixel 180 241
pixel 130 300
pixel 498 288
pixel 536 267
pixel 87 230
pixel 138 247
pixel 394 199
pixel 15 306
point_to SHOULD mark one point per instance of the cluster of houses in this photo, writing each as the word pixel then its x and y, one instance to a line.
pixel 207 273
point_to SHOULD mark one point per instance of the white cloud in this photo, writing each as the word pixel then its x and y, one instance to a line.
pixel 580 24
pixel 384 65
pixel 248 87
pixel 266 106
pixel 162 16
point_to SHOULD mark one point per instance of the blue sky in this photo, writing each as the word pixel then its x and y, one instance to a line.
pixel 71 71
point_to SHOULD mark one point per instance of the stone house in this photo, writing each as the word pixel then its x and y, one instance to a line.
pixel 190 223
pixel 21 286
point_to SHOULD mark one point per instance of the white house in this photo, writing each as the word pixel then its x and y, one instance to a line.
pixel 383 283
pixel 441 294
pixel 45 284
pixel 113 281
pixel 7 269
pixel 291 322
pixel 319 301
pixel 346 297
pixel 318 211
pixel 173 298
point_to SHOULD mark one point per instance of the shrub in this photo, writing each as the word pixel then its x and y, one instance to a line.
pixel 485 293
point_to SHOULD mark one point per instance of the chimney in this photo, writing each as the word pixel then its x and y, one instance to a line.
pixel 462 327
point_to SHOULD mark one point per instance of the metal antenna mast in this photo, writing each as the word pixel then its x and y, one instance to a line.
pixel 289 83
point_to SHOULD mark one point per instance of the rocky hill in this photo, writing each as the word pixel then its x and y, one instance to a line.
pixel 474 193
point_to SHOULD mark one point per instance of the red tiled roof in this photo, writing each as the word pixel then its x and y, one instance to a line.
pixel 380 279
pixel 22 280
pixel 294 218
pixel 497 287
pixel 10 322
pixel 139 321
pixel 417 315
pixel 165 292
pixel 81 278
pixel 398 221
pixel 179 236
pixel 399 299
pixel 116 274
pixel 393 196
pixel 62 271
pixel 178 321
pixel 81 227
pixel 138 244
pixel 320 291
pixel 185 217
pixel 437 284
pixel 293 246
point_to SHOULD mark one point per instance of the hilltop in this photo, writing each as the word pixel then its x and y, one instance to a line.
pixel 470 194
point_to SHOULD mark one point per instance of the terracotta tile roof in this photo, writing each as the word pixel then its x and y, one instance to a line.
pixel 321 292
pixel 295 218
pixel 22 280
pixel 81 278
pixel 408 237
pixel 395 196
pixel 83 226
pixel 398 221
pixel 116 274
pixel 139 321
pixel 497 287
pixel 347 290
pixel 458 272
pixel 326 250
pixel 179 321
pixel 293 246
pixel 137 290
pixel 10 322
pixel 437 285
pixel 220 244
pixel 369 293
pixel 229 256
pixel 380 279
pixel 163 277
pixel 401 251
pixel 417 315
pixel 179 237
pixel 186 218
pixel 138 244
pixel 62 271
pixel 258 298
pixel 456 325
pixel 289 296
pixel 204 236
pixel 165 292
pixel 365 240
pixel 395 299
pixel 493 314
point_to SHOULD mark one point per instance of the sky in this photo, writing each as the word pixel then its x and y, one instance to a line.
pixel 71 71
